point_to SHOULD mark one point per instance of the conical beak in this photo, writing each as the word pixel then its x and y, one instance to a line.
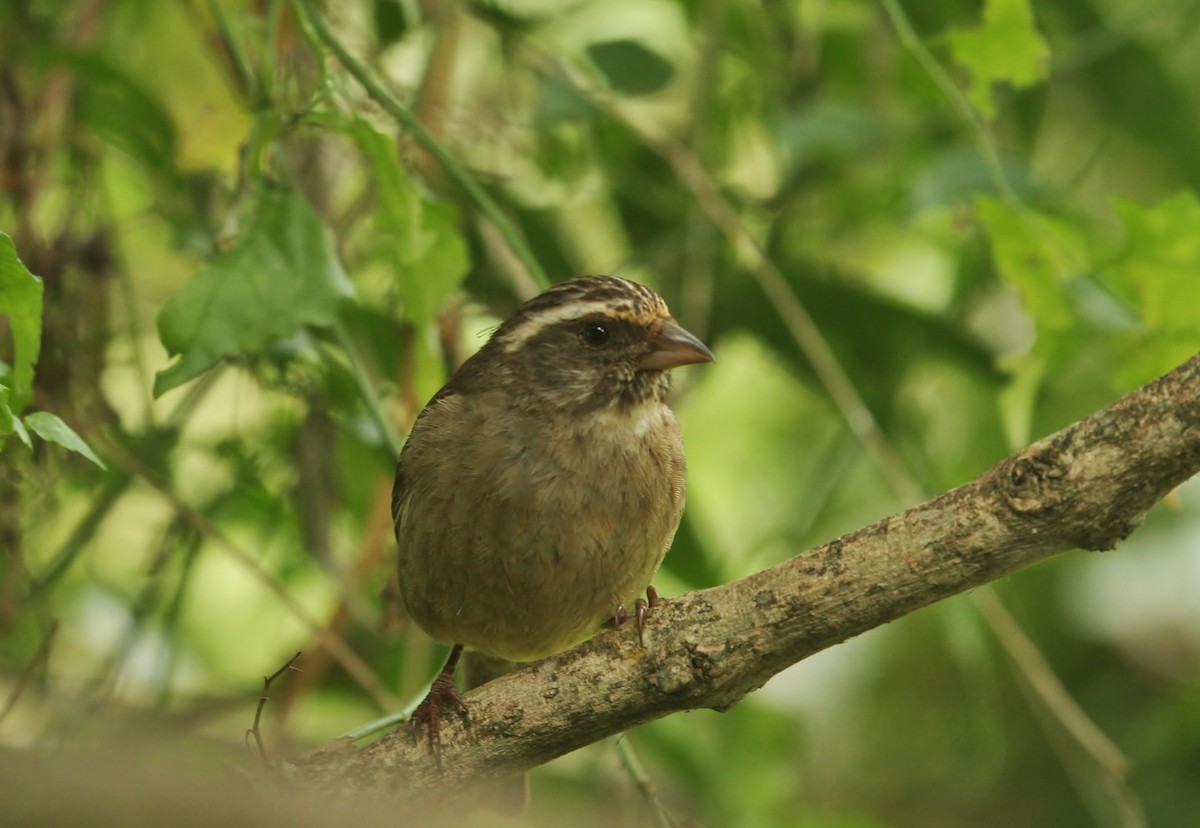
pixel 673 346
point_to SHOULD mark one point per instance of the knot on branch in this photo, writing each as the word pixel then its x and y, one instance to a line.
pixel 697 674
pixel 1034 482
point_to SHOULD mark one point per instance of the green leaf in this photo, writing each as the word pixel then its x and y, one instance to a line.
pixel 10 422
pixel 629 67
pixel 51 428
pixel 1006 48
pixel 116 106
pixel 282 275
pixel 1158 268
pixel 21 302
pixel 391 21
pixel 1037 254
pixel 425 244
pixel 1155 273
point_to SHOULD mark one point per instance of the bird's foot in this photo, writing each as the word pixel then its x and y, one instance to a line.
pixel 443 697
pixel 641 611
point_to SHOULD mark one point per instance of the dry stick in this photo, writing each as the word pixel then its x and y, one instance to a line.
pixel 1046 686
pixel 35 663
pixel 262 702
pixel 1087 486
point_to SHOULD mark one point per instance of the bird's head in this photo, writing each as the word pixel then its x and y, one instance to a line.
pixel 594 342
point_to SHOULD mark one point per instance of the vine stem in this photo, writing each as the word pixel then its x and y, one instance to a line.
pixel 407 120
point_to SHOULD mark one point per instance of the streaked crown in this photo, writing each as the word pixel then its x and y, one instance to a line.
pixel 585 296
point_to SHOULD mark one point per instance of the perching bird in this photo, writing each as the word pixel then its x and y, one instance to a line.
pixel 541 486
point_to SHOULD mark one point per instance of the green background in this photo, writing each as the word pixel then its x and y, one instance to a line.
pixel 982 217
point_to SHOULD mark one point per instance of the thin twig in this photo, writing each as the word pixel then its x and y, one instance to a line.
pixel 243 75
pixel 1047 691
pixel 366 389
pixel 983 142
pixel 262 702
pixel 35 664
pixel 642 782
pixel 408 121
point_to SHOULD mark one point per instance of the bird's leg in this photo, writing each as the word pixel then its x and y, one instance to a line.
pixel 443 695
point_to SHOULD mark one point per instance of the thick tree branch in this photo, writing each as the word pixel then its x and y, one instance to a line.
pixel 1087 486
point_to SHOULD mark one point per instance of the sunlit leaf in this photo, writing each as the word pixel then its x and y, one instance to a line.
pixel 21 302
pixel 423 239
pixel 51 428
pixel 118 107
pixel 1006 48
pixel 1158 268
pixel 1157 274
pixel 1037 254
pixel 282 275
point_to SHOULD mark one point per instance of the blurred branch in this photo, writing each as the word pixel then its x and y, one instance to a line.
pixel 1118 802
pixel 1087 486
pixel 366 383
pixel 642 782
pixel 36 663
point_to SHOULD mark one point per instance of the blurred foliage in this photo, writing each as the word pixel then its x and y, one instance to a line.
pixel 240 277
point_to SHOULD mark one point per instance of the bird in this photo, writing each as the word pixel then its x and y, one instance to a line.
pixel 539 490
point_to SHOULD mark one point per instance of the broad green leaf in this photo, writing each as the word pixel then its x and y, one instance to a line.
pixel 51 428
pixel 282 275
pixel 116 106
pixel 1157 274
pixel 1158 268
pixel 21 302
pixel 1007 47
pixel 1037 254
pixel 630 68
pixel 424 242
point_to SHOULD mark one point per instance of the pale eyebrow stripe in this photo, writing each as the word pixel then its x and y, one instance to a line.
pixel 537 323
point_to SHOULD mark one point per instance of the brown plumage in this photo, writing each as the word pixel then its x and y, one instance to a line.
pixel 540 488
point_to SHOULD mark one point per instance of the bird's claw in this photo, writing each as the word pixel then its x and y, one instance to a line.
pixel 641 611
pixel 443 696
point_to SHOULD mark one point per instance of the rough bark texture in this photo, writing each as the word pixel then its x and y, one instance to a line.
pixel 1087 486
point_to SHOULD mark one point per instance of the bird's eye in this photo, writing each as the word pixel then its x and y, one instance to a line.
pixel 595 334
